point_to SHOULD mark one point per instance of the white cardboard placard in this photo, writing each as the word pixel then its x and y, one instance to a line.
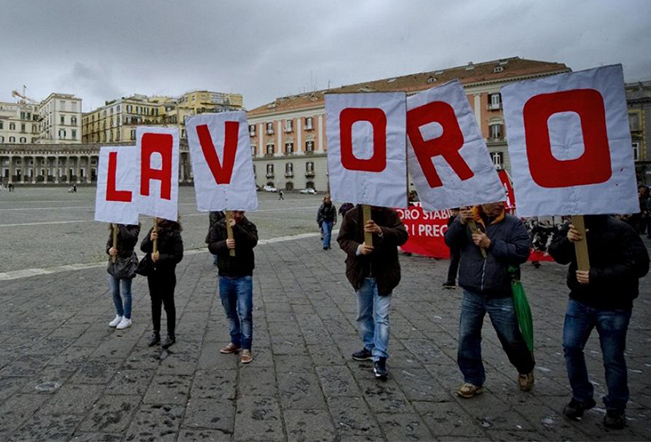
pixel 116 185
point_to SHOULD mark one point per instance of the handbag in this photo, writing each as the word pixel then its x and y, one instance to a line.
pixel 123 268
pixel 145 266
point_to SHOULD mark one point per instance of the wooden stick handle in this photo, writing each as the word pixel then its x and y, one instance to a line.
pixel 581 247
pixel 155 248
pixel 474 229
pixel 368 236
pixel 229 230
pixel 115 240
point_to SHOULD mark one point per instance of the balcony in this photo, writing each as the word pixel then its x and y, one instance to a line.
pixel 289 174
pixel 269 175
pixel 494 106
pixel 270 131
pixel 309 174
pixel 495 140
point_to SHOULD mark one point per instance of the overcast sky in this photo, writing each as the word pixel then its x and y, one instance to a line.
pixel 102 50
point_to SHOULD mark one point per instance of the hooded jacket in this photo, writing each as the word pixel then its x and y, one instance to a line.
pixel 510 246
pixel 245 235
pixel 170 246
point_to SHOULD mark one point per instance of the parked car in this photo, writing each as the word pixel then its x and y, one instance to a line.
pixel 308 191
pixel 269 189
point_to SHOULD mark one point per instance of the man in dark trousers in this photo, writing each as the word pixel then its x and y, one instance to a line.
pixel 373 271
pixel 236 279
pixel 600 298
pixel 455 256
pixel 501 241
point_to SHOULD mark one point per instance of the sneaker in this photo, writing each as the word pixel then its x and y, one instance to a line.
pixel 169 341
pixel 116 321
pixel 154 339
pixel 615 419
pixel 363 355
pixel 246 357
pixel 449 285
pixel 230 348
pixel 525 381
pixel 124 323
pixel 575 409
pixel 380 369
pixel 469 390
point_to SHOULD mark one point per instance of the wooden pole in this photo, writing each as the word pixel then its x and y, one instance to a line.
pixel 474 229
pixel 368 236
pixel 155 248
pixel 229 230
pixel 115 240
pixel 581 247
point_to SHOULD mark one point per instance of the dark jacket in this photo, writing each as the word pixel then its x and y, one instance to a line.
pixel 326 213
pixel 510 246
pixel 618 258
pixel 245 235
pixel 213 219
pixel 170 247
pixel 126 240
pixel 382 264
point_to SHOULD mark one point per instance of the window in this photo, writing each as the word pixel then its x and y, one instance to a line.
pixel 23 127
pixel 74 135
pixel 498 159
pixel 12 126
pixel 12 139
pixel 2 125
pixel 270 128
pixel 252 151
pixel 289 170
pixel 252 130
pixel 62 133
pixel 2 139
pixel 288 125
pixel 23 140
pixel 289 148
pixel 636 151
pixel 309 146
pixel 308 123
pixel 270 170
pixel 270 149
pixel 133 134
pixel 73 120
pixel 63 119
pixel 495 101
pixel 129 108
pixel 634 121
pixel 309 169
pixel 495 131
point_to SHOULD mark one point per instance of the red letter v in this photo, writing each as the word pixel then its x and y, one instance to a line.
pixel 221 173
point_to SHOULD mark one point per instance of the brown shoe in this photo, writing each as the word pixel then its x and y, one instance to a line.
pixel 525 381
pixel 230 348
pixel 246 357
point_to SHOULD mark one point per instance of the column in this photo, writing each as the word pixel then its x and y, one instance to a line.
pixel 319 134
pixel 477 107
pixel 34 168
pixel 11 168
pixel 89 169
pixel 78 169
pixel 182 168
pixel 55 172
pixel 66 167
pixel 24 170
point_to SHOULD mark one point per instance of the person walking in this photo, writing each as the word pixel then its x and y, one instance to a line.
pixel 280 195
pixel 161 277
pixel 500 241
pixel 236 280
pixel 122 272
pixel 326 218
pixel 455 256
pixel 600 298
pixel 374 272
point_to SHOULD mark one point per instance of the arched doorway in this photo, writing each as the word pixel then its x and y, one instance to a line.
pixel 289 186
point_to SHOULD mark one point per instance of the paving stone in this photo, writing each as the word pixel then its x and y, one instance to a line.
pixel 47 427
pixel 168 389
pixel 155 423
pixel 49 380
pixel 96 371
pixel 214 384
pixel 258 418
pixel 420 385
pixel 111 414
pixel 214 414
pixel 257 381
pixel 337 381
pixel 10 385
pixel 72 399
pixel 18 408
pixel 353 419
pixel 299 390
pixel 96 437
pixel 309 426
pixel 404 427
pixel 448 419
pixel 296 363
pixel 130 382
pixel 204 435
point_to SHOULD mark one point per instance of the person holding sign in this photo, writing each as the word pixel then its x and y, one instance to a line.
pixel 602 298
pixel 373 271
pixel 122 266
pixel 326 217
pixel 236 278
pixel 164 248
pixel 490 241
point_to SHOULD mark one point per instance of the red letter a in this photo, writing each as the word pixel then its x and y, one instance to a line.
pixel 447 145
pixel 222 174
pixel 111 193
pixel 162 144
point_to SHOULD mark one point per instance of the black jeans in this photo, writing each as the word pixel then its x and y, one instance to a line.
pixel 161 292
pixel 455 256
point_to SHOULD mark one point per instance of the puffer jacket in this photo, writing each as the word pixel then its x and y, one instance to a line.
pixel 510 246
pixel 382 264
pixel 326 213
pixel 618 258
pixel 170 247
pixel 245 235
pixel 126 240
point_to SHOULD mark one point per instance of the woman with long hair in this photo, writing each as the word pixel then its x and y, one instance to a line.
pixel 121 272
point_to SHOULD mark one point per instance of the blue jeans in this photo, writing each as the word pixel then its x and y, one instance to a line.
pixel 474 307
pixel 326 228
pixel 373 318
pixel 121 287
pixel 612 326
pixel 237 298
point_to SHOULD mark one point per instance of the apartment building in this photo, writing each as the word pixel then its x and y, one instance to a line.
pixel 60 119
pixel 19 123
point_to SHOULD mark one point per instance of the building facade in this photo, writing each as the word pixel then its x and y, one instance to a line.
pixel 60 119
pixel 19 123
pixel 638 99
pixel 288 139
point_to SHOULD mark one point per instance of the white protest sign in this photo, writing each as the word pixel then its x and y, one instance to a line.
pixel 158 172
pixel 367 161
pixel 116 185
pixel 448 159
pixel 570 144
pixel 221 162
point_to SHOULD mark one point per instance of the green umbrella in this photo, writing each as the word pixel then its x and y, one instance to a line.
pixel 522 309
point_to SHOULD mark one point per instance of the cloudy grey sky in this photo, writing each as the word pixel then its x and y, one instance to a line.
pixel 263 49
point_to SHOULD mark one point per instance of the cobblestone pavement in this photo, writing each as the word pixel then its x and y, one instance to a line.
pixel 65 375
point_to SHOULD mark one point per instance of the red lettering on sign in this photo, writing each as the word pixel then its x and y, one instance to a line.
pixel 378 119
pixel 593 166
pixel 447 145
pixel 112 194
pixel 161 144
pixel 222 174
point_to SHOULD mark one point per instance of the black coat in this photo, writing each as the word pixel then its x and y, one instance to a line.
pixel 382 264
pixel 245 235
pixel 126 240
pixel 170 248
pixel 326 213
pixel 618 258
